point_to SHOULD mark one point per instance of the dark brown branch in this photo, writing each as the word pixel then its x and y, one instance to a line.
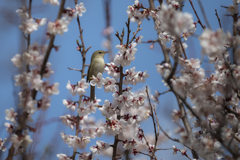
pixel 135 33
pixel 183 50
pixel 199 21
pixel 235 32
pixel 218 18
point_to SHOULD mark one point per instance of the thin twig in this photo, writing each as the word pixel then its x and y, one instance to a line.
pixel 79 70
pixel 183 49
pixel 154 121
pixel 199 21
pixel 144 153
pixel 218 18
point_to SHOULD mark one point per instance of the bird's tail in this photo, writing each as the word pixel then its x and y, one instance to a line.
pixel 92 94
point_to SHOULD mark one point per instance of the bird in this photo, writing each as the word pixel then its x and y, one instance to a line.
pixel 96 66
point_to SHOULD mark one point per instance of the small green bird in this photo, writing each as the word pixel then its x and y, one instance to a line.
pixel 97 66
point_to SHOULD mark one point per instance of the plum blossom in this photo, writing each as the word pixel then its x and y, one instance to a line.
pixel 62 156
pixel 236 1
pixel 78 142
pixel 155 96
pixel 151 148
pixel 2 147
pixel 176 115
pixel 100 130
pixel 81 86
pixel 68 120
pixel 91 107
pixel 22 12
pixel 44 103
pixel 147 114
pixel 69 13
pixel 135 14
pixel 80 9
pixel 126 55
pixel 184 151
pixel 85 156
pixel 47 89
pixel 122 100
pixel 35 80
pixel 58 27
pixel 131 77
pixel 11 115
pixel 114 126
pixel 82 110
pixel 22 141
pixel 129 144
pixel 71 88
pixel 136 100
pixel 70 104
pixel 174 22
pixel 28 26
pixel 90 132
pixel 100 146
pixel 52 2
pixel 213 43
pixel 32 57
pixel 17 60
pixel 108 30
pixel 109 85
pixel 164 37
pixel 107 109
pixel 21 79
pixel 175 150
pixel 233 9
pixel 9 127
pixel 97 81
pixel 48 70
pixel 139 39
pixel 112 70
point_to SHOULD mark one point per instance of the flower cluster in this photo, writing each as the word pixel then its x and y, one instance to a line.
pixel 125 55
pixel 61 25
pixel 29 24
pixel 33 79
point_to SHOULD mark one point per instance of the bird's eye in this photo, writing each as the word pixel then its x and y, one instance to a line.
pixel 99 52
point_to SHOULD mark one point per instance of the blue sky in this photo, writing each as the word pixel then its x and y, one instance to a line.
pixel 93 22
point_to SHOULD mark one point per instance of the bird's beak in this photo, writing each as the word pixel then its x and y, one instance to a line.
pixel 106 52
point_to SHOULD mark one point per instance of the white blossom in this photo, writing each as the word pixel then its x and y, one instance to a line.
pixel 11 115
pixel 62 156
pixel 97 81
pixel 17 60
pixel 81 86
pixel 80 9
pixel 58 27
pixel 52 2
pixel 2 147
